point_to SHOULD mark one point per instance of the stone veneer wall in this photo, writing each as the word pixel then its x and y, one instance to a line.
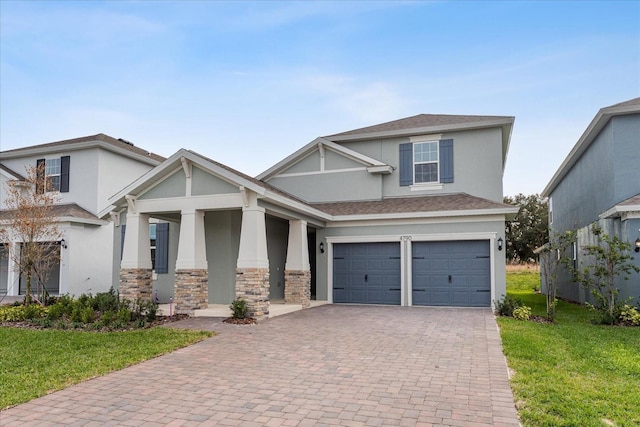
pixel 191 290
pixel 135 283
pixel 252 284
pixel 297 287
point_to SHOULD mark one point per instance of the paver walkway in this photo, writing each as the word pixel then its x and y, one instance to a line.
pixel 329 365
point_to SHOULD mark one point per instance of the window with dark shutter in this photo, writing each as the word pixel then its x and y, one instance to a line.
pixel 40 176
pixel 64 174
pixel 446 161
pixel 406 164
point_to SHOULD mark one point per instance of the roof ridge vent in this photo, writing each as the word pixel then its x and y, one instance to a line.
pixel 126 142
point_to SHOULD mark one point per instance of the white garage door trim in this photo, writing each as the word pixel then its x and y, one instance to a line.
pixel 405 256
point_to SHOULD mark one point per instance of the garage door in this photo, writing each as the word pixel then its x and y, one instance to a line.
pixel 454 273
pixel 366 273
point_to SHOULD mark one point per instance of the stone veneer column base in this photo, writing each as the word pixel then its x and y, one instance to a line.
pixel 297 287
pixel 252 285
pixel 135 283
pixel 191 290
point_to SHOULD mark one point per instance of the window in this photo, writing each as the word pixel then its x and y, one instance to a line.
pixel 425 162
pixel 550 211
pixel 52 174
pixel 152 243
pixel 158 243
pixel 55 172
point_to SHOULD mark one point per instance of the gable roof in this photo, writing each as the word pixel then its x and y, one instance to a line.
pixel 439 204
pixel 11 173
pixel 319 144
pixel 603 116
pixel 120 146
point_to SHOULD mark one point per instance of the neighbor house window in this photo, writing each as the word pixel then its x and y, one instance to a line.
pixel 55 172
pixel 550 210
pixel 52 174
pixel 425 162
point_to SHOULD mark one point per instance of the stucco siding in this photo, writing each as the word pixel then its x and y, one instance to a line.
pixel 310 163
pixel 277 240
pixel 222 231
pixel 203 183
pixel 333 160
pixel 332 187
pixel 172 186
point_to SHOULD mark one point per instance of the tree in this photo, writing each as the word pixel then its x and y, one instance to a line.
pixel 28 222
pixel 529 229
pixel 611 260
pixel 553 255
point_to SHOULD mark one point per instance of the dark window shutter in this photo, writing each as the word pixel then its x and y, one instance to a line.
pixel 123 230
pixel 446 161
pixel 406 164
pixel 162 248
pixel 40 176
pixel 64 174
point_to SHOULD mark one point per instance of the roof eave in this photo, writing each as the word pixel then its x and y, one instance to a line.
pixel 436 214
pixel 588 136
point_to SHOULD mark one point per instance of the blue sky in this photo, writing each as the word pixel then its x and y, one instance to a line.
pixel 248 83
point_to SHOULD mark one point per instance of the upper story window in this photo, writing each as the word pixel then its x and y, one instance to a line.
pixel 425 162
pixel 52 174
pixel 56 174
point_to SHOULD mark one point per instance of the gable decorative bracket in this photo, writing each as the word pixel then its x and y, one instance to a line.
pixel 245 196
pixel 186 167
pixel 131 203
pixel 115 217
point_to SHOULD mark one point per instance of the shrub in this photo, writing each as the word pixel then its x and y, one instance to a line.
pixel 34 311
pixel 108 317
pixel 630 315
pixel 522 313
pixel 507 306
pixel 106 301
pixel 124 316
pixel 87 315
pixel 239 308
pixel 12 313
pixel 56 311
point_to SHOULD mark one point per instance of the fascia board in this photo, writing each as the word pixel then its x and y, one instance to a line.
pixel 10 176
pixel 82 220
pixel 588 136
pixel 618 210
pixel 426 130
pixel 295 205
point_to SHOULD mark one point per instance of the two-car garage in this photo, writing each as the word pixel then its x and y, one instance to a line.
pixel 442 273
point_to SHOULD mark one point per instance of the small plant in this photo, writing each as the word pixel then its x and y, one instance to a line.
pixel 34 311
pixel 508 304
pixel 630 315
pixel 239 308
pixel 522 313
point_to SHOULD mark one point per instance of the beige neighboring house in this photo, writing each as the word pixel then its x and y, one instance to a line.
pixel 85 172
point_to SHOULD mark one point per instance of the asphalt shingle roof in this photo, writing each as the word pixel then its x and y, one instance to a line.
pixel 11 172
pixel 433 203
pixel 635 200
pixel 419 121
pixel 62 210
pixel 98 137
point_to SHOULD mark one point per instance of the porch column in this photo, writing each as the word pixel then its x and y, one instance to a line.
pixel 191 282
pixel 135 267
pixel 252 272
pixel 297 271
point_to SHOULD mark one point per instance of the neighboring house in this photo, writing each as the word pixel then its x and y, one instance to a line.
pixel 85 172
pixel 599 184
pixel 407 212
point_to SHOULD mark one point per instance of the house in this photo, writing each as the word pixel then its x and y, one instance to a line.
pixel 407 212
pixel 599 184
pixel 84 172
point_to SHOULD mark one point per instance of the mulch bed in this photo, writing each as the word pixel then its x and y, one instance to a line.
pixel 160 320
pixel 245 321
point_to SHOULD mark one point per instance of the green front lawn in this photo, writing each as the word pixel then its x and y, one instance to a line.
pixel 571 373
pixel 36 362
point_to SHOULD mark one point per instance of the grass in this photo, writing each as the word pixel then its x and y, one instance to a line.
pixel 572 373
pixel 36 362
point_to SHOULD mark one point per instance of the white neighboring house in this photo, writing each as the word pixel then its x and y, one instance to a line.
pixel 86 171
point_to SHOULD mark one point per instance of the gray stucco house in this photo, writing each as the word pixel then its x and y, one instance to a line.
pixel 407 212
pixel 599 183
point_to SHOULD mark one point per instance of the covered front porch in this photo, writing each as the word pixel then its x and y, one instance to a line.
pixel 231 239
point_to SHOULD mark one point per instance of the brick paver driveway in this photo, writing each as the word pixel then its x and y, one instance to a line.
pixel 329 365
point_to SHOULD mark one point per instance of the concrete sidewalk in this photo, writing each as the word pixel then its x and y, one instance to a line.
pixel 329 365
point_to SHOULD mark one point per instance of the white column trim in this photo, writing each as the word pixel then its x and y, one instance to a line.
pixel 137 250
pixel 297 247
pixel 192 253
